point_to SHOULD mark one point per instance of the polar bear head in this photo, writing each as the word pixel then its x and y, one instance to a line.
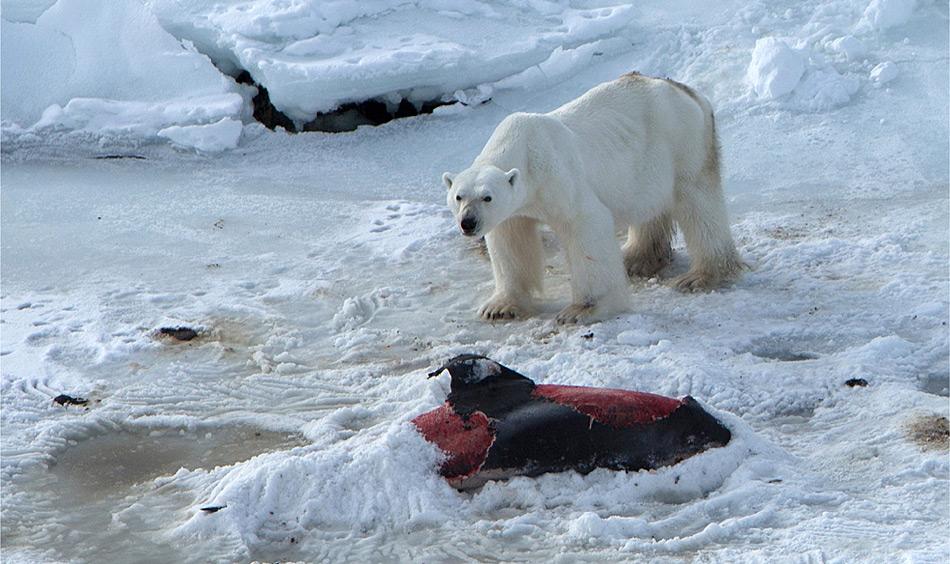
pixel 481 197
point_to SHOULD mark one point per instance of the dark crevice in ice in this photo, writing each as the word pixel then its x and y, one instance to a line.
pixel 264 110
pixel 368 112
pixel 347 117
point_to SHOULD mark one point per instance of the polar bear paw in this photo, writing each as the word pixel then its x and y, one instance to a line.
pixel 576 313
pixel 696 281
pixel 500 308
pixel 646 265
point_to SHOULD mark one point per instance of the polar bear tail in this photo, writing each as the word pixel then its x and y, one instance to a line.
pixel 701 214
pixel 711 166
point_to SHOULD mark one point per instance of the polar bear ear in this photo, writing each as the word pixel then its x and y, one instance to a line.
pixel 512 175
pixel 448 178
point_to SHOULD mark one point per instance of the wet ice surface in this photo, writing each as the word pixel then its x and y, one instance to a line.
pixel 325 278
pixel 102 463
pixel 105 489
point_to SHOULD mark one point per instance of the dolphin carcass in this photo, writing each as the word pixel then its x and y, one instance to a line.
pixel 496 424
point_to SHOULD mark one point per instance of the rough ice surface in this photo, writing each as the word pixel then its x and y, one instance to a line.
pixel 326 278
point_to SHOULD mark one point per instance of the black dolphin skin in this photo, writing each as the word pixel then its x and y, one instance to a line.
pixel 497 423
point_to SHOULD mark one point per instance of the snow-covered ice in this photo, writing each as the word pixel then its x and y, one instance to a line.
pixel 325 278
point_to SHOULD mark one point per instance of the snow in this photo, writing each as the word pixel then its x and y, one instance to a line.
pixel 849 46
pixel 775 69
pixel 107 67
pixel 313 56
pixel 884 14
pixel 483 368
pixel 326 279
pixel 210 138
pixel 883 73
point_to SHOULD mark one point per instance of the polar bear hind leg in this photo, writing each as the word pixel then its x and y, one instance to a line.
pixel 517 259
pixel 700 212
pixel 649 249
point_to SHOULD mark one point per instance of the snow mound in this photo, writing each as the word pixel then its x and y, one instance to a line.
pixel 885 14
pixel 108 67
pixel 212 138
pixel 314 56
pixel 824 88
pixel 804 79
pixel 389 481
pixel 884 72
pixel 850 46
pixel 26 89
pixel 139 120
pixel 775 69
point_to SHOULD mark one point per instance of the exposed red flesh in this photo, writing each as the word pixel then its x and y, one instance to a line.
pixel 465 442
pixel 612 407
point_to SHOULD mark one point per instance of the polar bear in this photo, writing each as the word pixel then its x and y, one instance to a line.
pixel 637 153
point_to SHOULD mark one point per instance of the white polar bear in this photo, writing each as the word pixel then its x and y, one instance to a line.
pixel 637 153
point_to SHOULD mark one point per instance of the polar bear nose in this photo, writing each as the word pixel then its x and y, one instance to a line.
pixel 468 225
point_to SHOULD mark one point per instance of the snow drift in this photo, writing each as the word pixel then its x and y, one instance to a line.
pixel 107 67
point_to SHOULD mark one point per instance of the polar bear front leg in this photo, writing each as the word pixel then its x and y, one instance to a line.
pixel 599 284
pixel 517 260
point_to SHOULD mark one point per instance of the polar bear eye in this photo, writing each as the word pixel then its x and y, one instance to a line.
pixel 458 198
pixel 486 199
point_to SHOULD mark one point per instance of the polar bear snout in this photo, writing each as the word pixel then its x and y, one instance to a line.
pixel 469 225
pixel 481 197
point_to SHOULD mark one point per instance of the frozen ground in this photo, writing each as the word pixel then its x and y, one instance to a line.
pixel 326 277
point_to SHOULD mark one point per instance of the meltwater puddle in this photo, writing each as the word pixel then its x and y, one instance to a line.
pixel 103 464
pixel 97 494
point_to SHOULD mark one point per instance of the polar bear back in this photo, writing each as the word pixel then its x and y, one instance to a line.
pixel 643 112
pixel 628 141
pixel 638 134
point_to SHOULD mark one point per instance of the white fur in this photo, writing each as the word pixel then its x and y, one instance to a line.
pixel 637 154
